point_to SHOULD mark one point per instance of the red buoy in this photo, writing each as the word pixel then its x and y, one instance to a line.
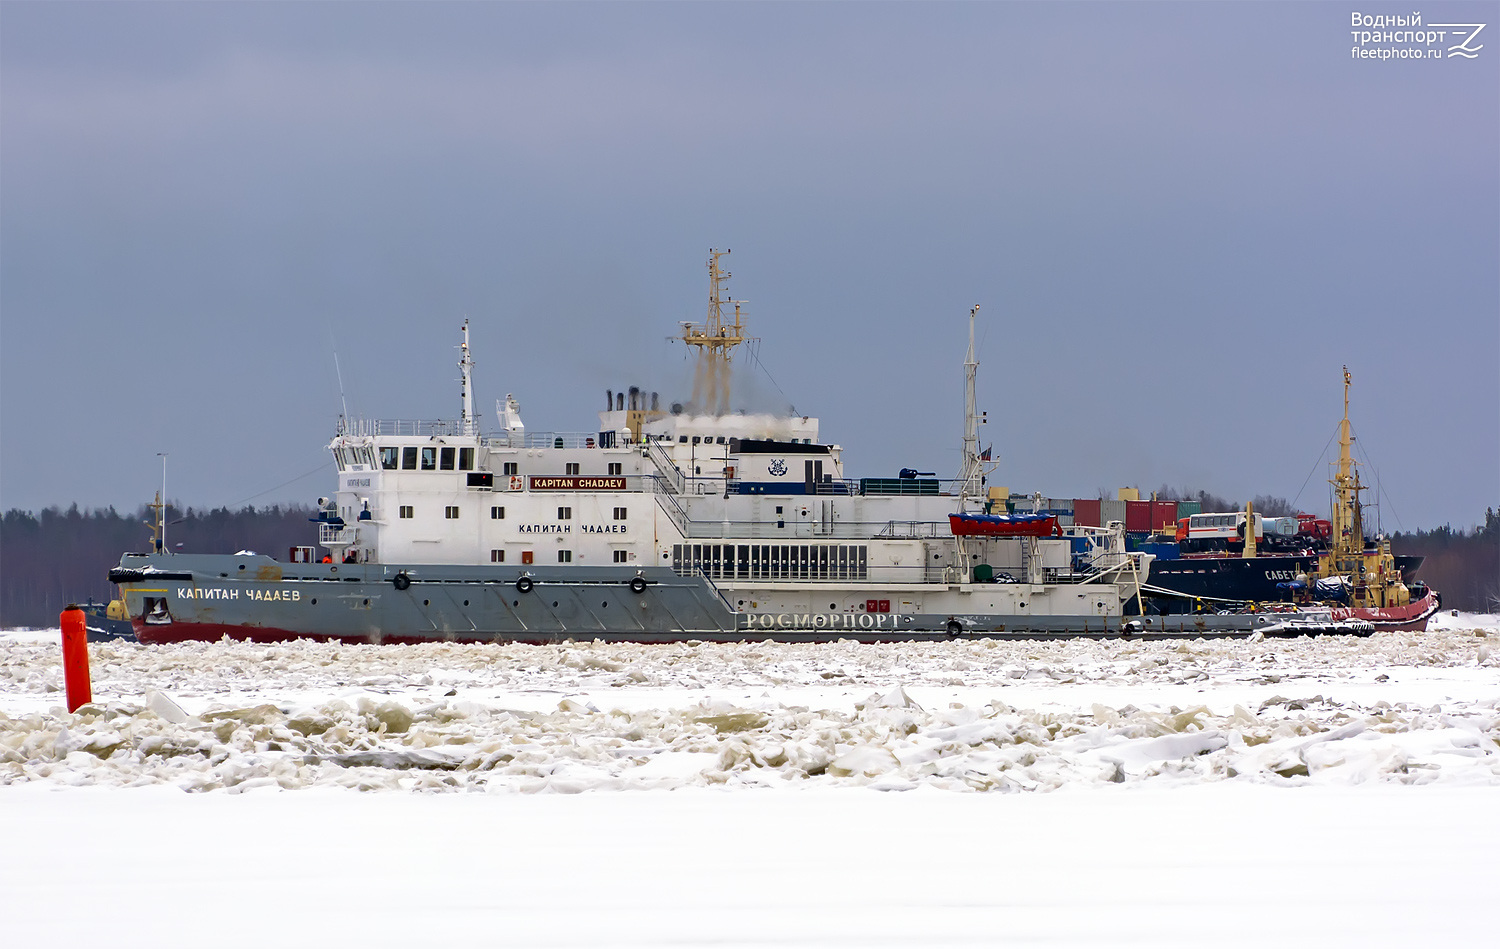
pixel 75 650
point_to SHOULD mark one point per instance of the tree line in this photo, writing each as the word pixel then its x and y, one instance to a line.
pixel 1462 565
pixel 57 557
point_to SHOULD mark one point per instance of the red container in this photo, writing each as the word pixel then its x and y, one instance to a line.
pixel 1138 516
pixel 1164 517
pixel 1086 512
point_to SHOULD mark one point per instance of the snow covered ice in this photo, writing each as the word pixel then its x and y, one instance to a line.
pixel 1112 791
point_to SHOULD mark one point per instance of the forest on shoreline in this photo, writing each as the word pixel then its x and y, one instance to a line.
pixel 57 557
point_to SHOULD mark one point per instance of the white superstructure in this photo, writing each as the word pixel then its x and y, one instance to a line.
pixel 758 504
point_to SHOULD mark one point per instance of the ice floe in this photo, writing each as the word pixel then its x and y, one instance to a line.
pixel 1394 708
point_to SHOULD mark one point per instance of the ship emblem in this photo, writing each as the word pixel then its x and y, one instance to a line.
pixel 777 467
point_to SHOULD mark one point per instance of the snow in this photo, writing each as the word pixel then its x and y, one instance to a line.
pixel 1310 791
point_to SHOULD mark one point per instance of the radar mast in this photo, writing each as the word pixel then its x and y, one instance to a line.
pixel 467 424
pixel 715 341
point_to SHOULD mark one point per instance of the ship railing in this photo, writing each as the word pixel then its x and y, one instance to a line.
pixel 332 536
pixel 374 428
pixel 543 440
pixel 669 503
pixel 912 530
pixel 665 465
pixel 794 529
pixel 842 574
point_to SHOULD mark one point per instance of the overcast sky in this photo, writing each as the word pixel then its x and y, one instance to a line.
pixel 1180 220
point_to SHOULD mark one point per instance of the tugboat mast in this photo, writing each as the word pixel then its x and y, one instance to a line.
pixel 1348 523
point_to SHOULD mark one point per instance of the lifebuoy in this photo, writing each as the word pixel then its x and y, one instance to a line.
pixel 637 584
pixel 523 585
pixel 401 581
pixel 954 628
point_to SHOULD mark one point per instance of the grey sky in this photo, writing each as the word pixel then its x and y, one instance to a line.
pixel 1180 221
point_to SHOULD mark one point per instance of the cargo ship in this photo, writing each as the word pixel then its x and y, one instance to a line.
pixel 1210 561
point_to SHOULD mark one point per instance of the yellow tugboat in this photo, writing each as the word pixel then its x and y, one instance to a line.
pixel 1372 588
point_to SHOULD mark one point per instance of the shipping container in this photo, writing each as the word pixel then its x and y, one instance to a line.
pixel 1189 508
pixel 1111 511
pixel 1138 516
pixel 1163 516
pixel 1086 512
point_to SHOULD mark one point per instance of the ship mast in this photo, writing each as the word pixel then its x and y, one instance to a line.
pixel 466 421
pixel 715 341
pixel 970 472
pixel 1348 524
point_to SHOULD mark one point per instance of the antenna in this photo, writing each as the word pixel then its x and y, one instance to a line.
pixel 340 373
pixel 971 471
pixel 161 511
pixel 467 424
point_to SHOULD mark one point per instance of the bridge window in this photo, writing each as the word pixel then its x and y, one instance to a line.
pixel 616 468
pixel 409 459
pixel 511 468
pixel 466 459
pixel 406 510
pixel 572 468
pixel 446 459
pixel 429 459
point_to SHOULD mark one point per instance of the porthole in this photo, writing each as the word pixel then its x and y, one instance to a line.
pixel 367 601
pixel 742 603
pixel 242 566
pixel 604 605
pixel 426 602
pixel 515 602
pixel 315 601
pixel 554 604
pixel 833 606
pixel 466 602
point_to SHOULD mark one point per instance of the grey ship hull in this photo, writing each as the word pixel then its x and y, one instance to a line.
pixel 205 597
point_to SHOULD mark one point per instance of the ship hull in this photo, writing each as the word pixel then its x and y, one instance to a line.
pixel 1412 617
pixel 1252 579
pixel 199 598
